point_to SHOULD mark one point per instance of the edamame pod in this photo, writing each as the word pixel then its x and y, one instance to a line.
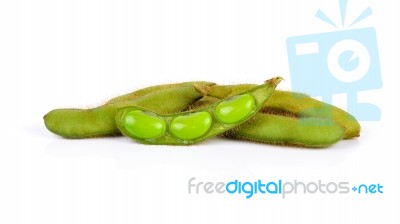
pixel 305 106
pixel 190 127
pixel 152 89
pixel 100 121
pixel 282 128
pixel 298 104
pixel 274 129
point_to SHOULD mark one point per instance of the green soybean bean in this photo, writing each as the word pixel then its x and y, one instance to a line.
pixel 190 127
pixel 144 125
pixel 235 109
pixel 100 121
pixel 298 104
pixel 281 128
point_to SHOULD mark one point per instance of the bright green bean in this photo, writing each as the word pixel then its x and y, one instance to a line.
pixel 191 126
pixel 235 109
pixel 144 125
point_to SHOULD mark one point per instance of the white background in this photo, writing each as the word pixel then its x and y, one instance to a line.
pixel 79 53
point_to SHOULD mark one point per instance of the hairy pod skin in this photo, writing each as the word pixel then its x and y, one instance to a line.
pixel 298 104
pixel 281 128
pixel 306 106
pixel 151 89
pixel 100 121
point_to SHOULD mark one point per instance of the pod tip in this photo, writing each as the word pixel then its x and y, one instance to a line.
pixel 274 81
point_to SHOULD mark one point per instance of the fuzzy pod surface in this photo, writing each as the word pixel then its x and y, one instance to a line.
pixel 100 121
pixel 151 89
pixel 281 130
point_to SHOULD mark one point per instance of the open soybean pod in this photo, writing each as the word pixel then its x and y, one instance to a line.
pixel 190 127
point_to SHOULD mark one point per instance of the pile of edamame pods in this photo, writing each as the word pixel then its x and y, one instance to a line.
pixel 190 112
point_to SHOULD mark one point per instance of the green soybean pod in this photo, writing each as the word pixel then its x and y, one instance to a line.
pixel 100 121
pixel 305 106
pixel 281 128
pixel 193 126
pixel 152 89
pixel 298 104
